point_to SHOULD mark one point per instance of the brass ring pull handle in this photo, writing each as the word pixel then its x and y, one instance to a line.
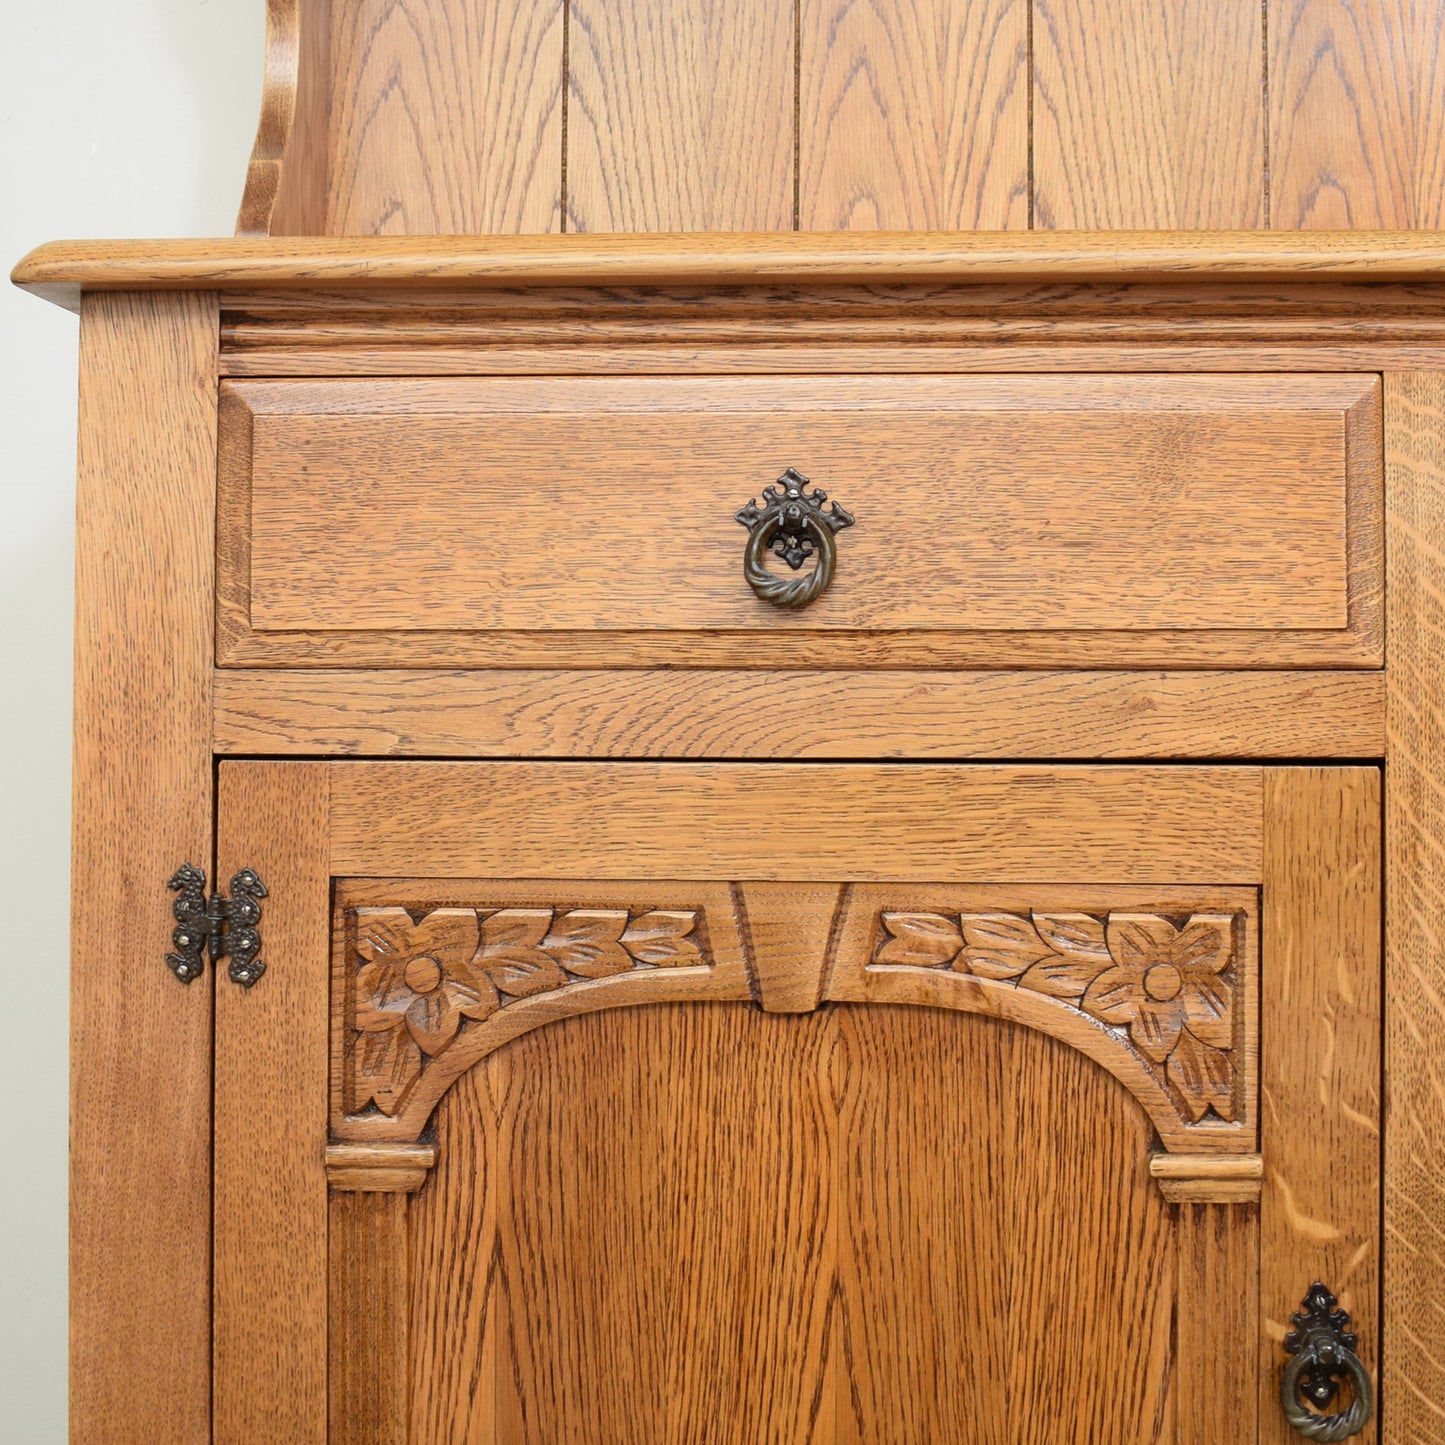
pixel 1324 1357
pixel 793 524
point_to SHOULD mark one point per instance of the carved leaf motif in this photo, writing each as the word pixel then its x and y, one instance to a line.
pixel 1165 985
pixel 922 940
pixel 511 955
pixel 383 1066
pixel 660 938
pixel 420 979
pixel 999 945
pixel 1203 1076
pixel 585 942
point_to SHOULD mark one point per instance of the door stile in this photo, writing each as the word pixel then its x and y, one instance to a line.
pixel 1320 1069
pixel 271 1072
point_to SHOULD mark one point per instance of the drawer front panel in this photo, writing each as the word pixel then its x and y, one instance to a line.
pixel 583 512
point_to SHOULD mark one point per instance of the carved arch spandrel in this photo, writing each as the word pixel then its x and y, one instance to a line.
pixel 1158 989
pixel 428 978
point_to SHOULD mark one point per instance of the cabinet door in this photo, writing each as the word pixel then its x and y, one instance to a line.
pixel 735 1103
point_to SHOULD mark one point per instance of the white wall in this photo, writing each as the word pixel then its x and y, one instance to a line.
pixel 117 118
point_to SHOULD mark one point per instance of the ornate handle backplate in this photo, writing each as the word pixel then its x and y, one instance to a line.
pixel 1324 1358
pixel 793 524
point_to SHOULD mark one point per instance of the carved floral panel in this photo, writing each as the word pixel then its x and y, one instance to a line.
pixel 1164 986
pixel 420 980
pixel 426 990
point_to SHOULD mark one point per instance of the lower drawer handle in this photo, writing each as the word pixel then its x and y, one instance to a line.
pixel 1324 1357
pixel 793 524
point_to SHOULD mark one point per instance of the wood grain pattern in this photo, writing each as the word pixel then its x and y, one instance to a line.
pixel 760 1254
pixel 1155 118
pixel 286 182
pixel 719 821
pixel 1320 1092
pixel 1218 1322
pixel 271 1069
pixel 722 714
pixel 913 115
pixel 1260 495
pixel 1414 1370
pixel 1208 1178
pixel 1087 967
pixel 790 930
pixel 679 115
pixel 371 264
pixel 379 1168
pixel 140 1103
pixel 428 980
pixel 445 117
pixel 1083 1189
pixel 369 1298
pixel 1355 111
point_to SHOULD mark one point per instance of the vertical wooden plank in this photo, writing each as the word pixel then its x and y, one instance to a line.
pixel 926 1224
pixel 271 1074
pixel 913 115
pixel 1153 119
pixel 446 117
pixel 1218 1324
pixel 1414 1392
pixel 140 1102
pixel 461 1312
pixel 1091 1266
pixel 1355 113
pixel 1320 1065
pixel 680 115
pixel 369 1306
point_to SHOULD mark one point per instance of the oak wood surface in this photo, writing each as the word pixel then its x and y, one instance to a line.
pixel 428 979
pixel 1218 1323
pixel 60 269
pixel 140 1102
pixel 679 115
pixel 761 1244
pixel 445 117
pixel 1414 1370
pixel 821 715
pixel 286 181
pixel 271 1067
pixel 367 486
pixel 369 1320
pixel 1152 117
pixel 720 821
pixel 1355 112
pixel 1320 1092
pixel 913 115
pixel 1036 957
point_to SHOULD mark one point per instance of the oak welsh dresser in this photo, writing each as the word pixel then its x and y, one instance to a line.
pixel 759 838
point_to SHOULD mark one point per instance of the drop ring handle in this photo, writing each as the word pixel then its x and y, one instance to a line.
pixel 793 524
pixel 1324 1356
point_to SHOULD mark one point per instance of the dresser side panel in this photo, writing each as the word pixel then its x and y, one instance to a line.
pixel 140 1040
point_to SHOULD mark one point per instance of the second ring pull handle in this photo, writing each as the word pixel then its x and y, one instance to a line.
pixel 1324 1357
pixel 793 523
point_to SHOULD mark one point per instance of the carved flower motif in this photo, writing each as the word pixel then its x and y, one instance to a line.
pixel 417 985
pixel 1165 978
pixel 421 978
pixel 1166 985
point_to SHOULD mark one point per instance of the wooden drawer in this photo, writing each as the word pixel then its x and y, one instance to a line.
pixel 1148 520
